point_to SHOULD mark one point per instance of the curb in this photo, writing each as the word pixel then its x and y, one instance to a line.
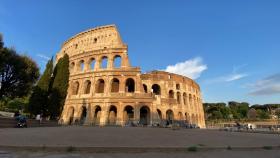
pixel 130 149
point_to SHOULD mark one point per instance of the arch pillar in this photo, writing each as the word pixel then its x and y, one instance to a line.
pixel 125 61
pixel 136 113
pixel 97 64
pixel 120 119
pixel 110 62
pixel 104 115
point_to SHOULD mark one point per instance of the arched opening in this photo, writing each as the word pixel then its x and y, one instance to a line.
pixel 156 89
pixel 178 86
pixel 96 117
pixel 92 63
pixel 169 117
pixel 145 88
pixel 83 115
pixel 128 115
pixel 100 86
pixel 159 116
pixel 171 94
pixel 75 88
pixel 193 119
pixel 104 62
pixel 180 116
pixel 190 100
pixel 178 97
pixel 185 98
pixel 187 118
pixel 117 61
pixel 145 115
pixel 72 67
pixel 112 115
pixel 130 85
pixel 87 87
pixel 82 65
pixel 71 115
pixel 115 85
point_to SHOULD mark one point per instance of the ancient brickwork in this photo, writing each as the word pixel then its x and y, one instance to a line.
pixel 104 89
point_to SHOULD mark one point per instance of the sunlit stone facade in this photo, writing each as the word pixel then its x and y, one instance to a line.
pixel 104 89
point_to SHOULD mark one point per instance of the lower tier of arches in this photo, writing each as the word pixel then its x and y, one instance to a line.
pixel 126 114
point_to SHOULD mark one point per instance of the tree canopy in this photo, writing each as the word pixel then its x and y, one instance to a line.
pixel 18 73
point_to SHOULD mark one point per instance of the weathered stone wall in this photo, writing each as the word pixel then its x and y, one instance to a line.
pixel 103 93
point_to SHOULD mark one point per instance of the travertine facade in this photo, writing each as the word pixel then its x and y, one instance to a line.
pixel 115 93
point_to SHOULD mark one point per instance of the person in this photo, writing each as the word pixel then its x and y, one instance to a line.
pixel 38 118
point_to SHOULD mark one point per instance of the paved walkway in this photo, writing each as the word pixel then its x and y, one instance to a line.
pixel 78 136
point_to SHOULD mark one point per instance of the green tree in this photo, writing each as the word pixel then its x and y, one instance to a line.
pixel 1 41
pixel 38 102
pixel 239 110
pixel 262 114
pixel 59 87
pixel 18 73
pixel 217 111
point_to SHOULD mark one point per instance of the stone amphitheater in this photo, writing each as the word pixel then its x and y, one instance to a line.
pixel 104 89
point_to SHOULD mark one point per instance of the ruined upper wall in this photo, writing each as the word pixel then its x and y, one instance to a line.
pixel 104 37
pixel 166 76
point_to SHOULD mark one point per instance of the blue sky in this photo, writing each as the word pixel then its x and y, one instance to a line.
pixel 231 48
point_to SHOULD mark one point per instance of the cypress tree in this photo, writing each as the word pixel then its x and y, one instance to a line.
pixel 39 97
pixel 45 80
pixel 59 87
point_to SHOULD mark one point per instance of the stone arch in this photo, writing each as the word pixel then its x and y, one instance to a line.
pixel 194 102
pixel 185 98
pixel 115 84
pixel 171 94
pixel 156 89
pixel 178 86
pixel 112 115
pixel 92 63
pixel 190 100
pixel 97 115
pixel 196 119
pixel 145 88
pixel 87 87
pixel 128 114
pixel 159 115
pixel 180 116
pixel 82 65
pixel 187 118
pixel 178 97
pixel 117 60
pixel 145 115
pixel 83 115
pixel 100 86
pixel 70 113
pixel 104 62
pixel 130 85
pixel 169 116
pixel 193 119
pixel 72 67
pixel 75 88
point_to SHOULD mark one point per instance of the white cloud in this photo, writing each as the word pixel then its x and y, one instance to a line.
pixel 191 68
pixel 43 56
pixel 267 86
pixel 233 76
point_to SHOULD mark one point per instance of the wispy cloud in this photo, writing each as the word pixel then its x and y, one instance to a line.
pixel 191 68
pixel 42 56
pixel 233 76
pixel 267 86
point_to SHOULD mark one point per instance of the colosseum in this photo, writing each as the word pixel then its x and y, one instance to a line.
pixel 104 89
